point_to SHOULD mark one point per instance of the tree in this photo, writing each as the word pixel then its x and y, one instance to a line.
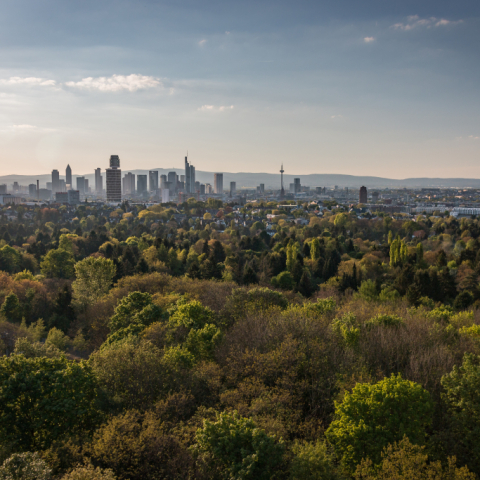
pixel 312 461
pixel 462 397
pixel 373 416
pixel 405 461
pixel 239 448
pixel 89 472
pixel 58 264
pixel 128 307
pixel 94 277
pixel 11 309
pixel 24 466
pixel 305 286
pixel 315 250
pixel 130 371
pixel 43 399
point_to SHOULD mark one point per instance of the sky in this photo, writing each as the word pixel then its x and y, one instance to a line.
pixel 374 87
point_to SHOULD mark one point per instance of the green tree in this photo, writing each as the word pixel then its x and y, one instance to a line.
pixel 126 311
pixel 94 277
pixel 191 315
pixel 311 461
pixel 25 466
pixel 373 416
pixel 43 399
pixel 58 264
pixel 130 371
pixel 10 259
pixel 462 397
pixel 315 250
pixel 89 472
pixel 239 448
pixel 11 309
pixel 405 461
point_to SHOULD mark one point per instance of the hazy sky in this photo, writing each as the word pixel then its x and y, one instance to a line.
pixel 371 87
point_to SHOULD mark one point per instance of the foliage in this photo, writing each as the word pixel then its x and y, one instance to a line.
pixel 24 466
pixel 373 416
pixel 311 461
pixel 42 399
pixel 239 448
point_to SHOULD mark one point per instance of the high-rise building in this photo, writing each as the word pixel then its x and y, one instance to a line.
pixel 218 183
pixel 153 181
pixel 172 180
pixel 163 181
pixel 363 197
pixel 297 186
pixel 187 176
pixel 3 189
pixel 114 180
pixel 68 177
pixel 80 185
pixel 202 189
pixel 262 188
pixel 98 181
pixel 233 188
pixel 165 195
pixel 55 180
pixel 141 184
pixel 129 184
pixel 32 190
pixel 87 188
pixel 192 179
pixel 282 190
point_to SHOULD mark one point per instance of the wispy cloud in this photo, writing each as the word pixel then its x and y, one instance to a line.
pixel 369 39
pixel 31 81
pixel 337 117
pixel 202 42
pixel 25 128
pixel 414 21
pixel 117 83
pixel 468 137
pixel 213 108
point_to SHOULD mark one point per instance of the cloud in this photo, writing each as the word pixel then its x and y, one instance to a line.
pixel 23 127
pixel 414 21
pixel 117 83
pixel 336 117
pixel 468 137
pixel 202 42
pixel 213 108
pixel 32 81
pixel 369 39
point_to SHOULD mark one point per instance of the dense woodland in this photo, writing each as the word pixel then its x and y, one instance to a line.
pixel 203 342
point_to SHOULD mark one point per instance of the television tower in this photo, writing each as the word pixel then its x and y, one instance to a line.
pixel 282 191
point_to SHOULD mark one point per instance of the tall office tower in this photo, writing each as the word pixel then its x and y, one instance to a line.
pixel 98 181
pixel 187 176
pixel 38 189
pixel 208 188
pixel 153 181
pixel 218 183
pixel 172 180
pixel 182 178
pixel 298 186
pixel 62 186
pixel 192 179
pixel 3 189
pixel 202 189
pixel 141 184
pixel 55 179
pixel 32 190
pixel 282 190
pixel 233 188
pixel 68 177
pixel 262 188
pixel 129 184
pixel 114 180
pixel 80 185
pixel 163 181
pixel 197 187
pixel 87 188
pixel 363 197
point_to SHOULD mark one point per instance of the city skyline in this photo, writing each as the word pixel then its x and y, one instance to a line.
pixel 370 89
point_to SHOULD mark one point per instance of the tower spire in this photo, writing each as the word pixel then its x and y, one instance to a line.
pixel 282 191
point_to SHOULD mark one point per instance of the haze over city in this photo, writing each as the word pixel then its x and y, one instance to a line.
pixel 364 88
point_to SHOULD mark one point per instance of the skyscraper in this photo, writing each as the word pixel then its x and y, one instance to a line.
pixel 80 185
pixel 55 180
pixel 141 184
pixel 68 177
pixel 233 188
pixel 363 197
pixel 297 185
pixel 282 190
pixel 129 184
pixel 187 176
pixel 172 180
pixel 114 180
pixel 153 181
pixel 218 183
pixel 98 181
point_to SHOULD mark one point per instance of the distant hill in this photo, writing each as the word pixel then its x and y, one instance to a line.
pixel 246 179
